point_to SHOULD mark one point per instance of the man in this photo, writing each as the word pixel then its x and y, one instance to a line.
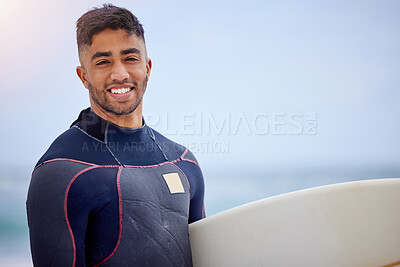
pixel 111 191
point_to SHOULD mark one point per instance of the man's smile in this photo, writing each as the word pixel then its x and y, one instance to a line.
pixel 121 92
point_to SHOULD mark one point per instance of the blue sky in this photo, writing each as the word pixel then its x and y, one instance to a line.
pixel 257 64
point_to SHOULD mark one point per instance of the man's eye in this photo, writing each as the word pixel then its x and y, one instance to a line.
pixel 102 62
pixel 131 59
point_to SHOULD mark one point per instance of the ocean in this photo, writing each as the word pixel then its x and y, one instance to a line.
pixel 225 188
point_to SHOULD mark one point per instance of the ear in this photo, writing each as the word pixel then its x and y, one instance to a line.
pixel 82 74
pixel 148 67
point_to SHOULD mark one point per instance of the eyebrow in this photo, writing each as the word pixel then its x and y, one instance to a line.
pixel 130 51
pixel 101 54
pixel 123 52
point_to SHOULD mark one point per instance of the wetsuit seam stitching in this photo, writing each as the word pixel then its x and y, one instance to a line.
pixel 184 153
pixel 66 208
pixel 108 148
pixel 111 165
pixel 62 159
pixel 153 137
pixel 191 161
pixel 106 134
pixel 120 219
pixel 98 140
pixel 94 138
pixel 182 157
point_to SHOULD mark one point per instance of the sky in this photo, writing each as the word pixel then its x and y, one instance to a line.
pixel 255 89
pixel 257 83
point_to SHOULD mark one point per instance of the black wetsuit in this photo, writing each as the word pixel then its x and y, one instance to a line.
pixel 112 196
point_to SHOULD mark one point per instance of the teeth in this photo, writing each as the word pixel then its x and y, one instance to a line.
pixel 120 91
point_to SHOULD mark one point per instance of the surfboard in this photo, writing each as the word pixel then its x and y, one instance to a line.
pixel 347 224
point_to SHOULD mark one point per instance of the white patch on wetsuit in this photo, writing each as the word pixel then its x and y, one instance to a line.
pixel 174 183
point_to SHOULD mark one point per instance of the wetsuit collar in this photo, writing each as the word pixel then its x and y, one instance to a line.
pixel 97 127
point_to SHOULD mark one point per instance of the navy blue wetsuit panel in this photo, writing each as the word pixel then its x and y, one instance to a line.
pixel 154 220
pixel 51 242
pixel 91 199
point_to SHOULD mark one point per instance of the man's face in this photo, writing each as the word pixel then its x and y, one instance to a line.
pixel 115 71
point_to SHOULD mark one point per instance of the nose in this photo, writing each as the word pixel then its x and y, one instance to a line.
pixel 119 72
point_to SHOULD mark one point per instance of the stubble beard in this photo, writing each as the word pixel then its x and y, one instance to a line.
pixel 101 99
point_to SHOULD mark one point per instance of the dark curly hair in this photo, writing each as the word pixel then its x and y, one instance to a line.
pixel 108 16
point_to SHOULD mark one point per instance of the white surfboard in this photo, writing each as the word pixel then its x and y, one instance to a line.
pixel 348 224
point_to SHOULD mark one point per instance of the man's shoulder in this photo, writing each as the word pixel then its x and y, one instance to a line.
pixel 172 149
pixel 75 144
pixel 63 145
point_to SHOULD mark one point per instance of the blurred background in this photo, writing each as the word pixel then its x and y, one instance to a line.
pixel 271 96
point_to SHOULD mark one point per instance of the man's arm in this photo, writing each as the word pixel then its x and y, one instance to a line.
pixel 191 168
pixel 49 229
pixel 63 198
